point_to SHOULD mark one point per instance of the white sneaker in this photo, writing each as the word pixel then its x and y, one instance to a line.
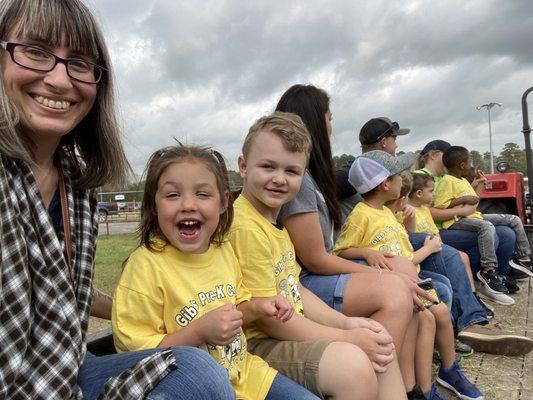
pixel 499 298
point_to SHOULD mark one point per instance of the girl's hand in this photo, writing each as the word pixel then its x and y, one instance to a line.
pixel 416 291
pixel 433 244
pixel 277 306
pixel 360 322
pixel 376 258
pixel 221 325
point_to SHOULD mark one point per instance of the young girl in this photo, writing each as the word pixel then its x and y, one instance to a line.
pixel 183 286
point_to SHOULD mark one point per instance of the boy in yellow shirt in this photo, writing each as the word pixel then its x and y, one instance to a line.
pixel 455 191
pixel 320 348
pixel 370 230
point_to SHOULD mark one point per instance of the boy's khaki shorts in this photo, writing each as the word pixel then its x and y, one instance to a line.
pixel 296 360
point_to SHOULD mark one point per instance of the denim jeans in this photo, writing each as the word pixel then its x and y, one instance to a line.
pixel 284 388
pixel 486 233
pixel 466 310
pixel 467 242
pixel 198 375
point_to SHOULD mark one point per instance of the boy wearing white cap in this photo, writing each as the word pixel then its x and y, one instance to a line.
pixel 372 232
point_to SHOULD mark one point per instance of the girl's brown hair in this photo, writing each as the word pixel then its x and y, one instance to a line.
pixel 157 164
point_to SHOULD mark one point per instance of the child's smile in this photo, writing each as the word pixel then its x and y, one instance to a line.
pixel 188 205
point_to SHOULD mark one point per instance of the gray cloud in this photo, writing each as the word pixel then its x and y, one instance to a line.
pixel 204 71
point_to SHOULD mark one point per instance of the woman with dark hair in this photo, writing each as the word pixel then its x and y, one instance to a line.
pixel 311 219
pixel 60 140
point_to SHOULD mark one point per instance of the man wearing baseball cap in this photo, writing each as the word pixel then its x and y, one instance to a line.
pixel 376 134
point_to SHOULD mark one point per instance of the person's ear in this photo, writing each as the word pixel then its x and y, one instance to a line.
pixel 418 193
pixel 224 201
pixel 241 161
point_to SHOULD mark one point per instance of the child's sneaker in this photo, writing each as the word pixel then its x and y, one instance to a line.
pixel 523 266
pixel 517 275
pixel 454 380
pixel 492 281
pixel 510 284
pixel 463 348
pixel 500 298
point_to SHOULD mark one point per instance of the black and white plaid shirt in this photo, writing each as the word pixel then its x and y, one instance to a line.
pixel 43 320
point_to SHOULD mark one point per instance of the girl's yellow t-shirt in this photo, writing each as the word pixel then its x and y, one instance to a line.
pixel 266 257
pixel 377 229
pixel 163 292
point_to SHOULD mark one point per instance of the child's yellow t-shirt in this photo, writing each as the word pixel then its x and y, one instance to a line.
pixel 369 228
pixel 266 256
pixel 424 221
pixel 451 188
pixel 162 292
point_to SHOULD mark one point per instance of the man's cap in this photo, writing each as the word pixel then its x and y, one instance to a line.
pixel 378 128
pixel 436 145
pixel 372 168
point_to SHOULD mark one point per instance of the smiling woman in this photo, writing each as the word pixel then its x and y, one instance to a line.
pixel 60 140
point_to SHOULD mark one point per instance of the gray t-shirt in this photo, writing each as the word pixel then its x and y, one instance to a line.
pixel 310 199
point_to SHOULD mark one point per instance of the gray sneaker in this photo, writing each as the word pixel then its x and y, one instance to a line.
pixel 494 340
pixel 500 298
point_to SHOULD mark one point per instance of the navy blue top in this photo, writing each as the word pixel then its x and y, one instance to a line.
pixel 54 210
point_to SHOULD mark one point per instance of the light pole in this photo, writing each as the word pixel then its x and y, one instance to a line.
pixel 488 106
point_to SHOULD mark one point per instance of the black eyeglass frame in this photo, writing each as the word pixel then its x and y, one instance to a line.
pixel 10 48
pixel 394 127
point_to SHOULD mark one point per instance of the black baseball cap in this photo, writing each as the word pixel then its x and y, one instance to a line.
pixel 436 145
pixel 377 128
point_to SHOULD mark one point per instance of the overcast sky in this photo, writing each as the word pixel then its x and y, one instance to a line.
pixel 203 71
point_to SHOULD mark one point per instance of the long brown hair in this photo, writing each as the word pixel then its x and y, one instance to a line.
pixel 157 164
pixel 94 146
pixel 312 104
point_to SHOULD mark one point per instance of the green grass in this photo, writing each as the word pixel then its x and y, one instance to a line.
pixel 111 251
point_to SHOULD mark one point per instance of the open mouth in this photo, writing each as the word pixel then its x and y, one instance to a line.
pixel 189 229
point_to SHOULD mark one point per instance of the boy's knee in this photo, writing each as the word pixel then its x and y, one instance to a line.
pixel 441 313
pixel 353 368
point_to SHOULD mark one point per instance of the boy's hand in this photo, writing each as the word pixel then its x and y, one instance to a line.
pixel 360 322
pixel 379 347
pixel 408 213
pixel 376 258
pixel 433 244
pixel 276 306
pixel 221 325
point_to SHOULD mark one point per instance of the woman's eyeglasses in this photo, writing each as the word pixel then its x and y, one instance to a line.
pixel 37 59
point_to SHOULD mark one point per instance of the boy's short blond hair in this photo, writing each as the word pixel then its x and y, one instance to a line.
pixel 288 127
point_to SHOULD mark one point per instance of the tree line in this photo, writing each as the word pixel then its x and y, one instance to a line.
pixel 511 152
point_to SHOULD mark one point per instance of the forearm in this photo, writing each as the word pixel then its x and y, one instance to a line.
pixel 443 214
pixel 318 311
pixel 102 305
pixel 457 202
pixel 330 264
pixel 420 255
pixel 410 225
pixel 188 336
pixel 250 312
pixel 298 328
pixel 353 253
